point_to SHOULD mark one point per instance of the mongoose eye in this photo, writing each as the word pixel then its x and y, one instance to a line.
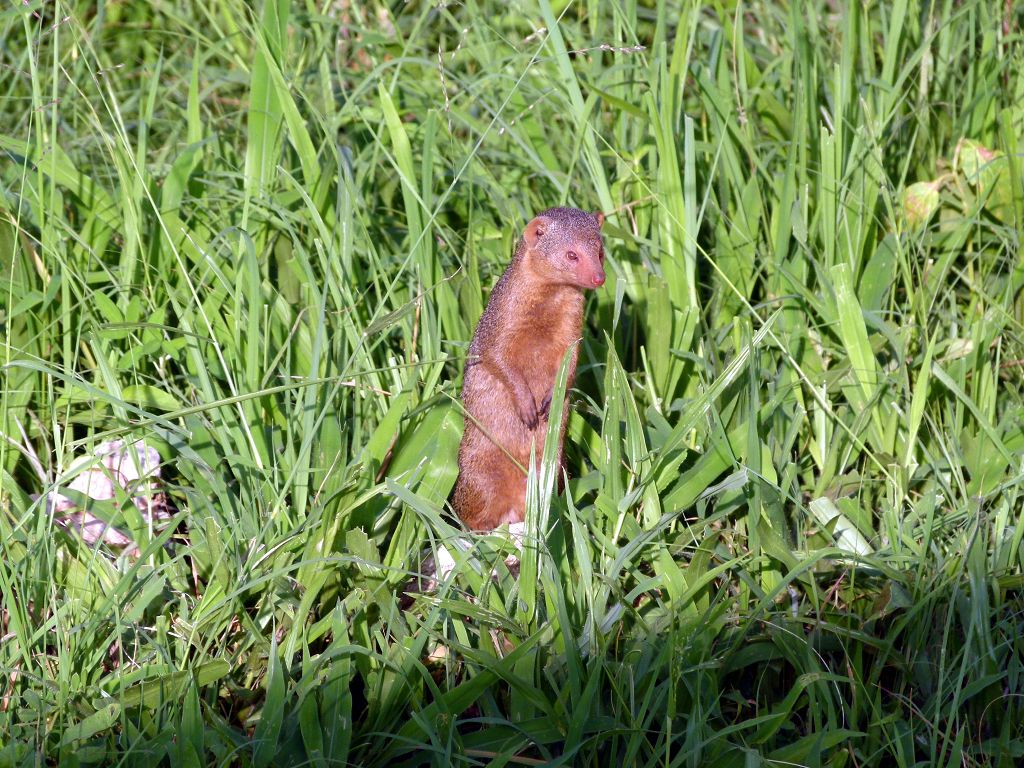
pixel 572 256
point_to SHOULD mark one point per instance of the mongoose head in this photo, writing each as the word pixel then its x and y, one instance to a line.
pixel 563 246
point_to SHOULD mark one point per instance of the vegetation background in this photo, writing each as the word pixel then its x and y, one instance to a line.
pixel 258 237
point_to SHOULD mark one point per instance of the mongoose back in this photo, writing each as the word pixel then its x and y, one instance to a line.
pixel 534 315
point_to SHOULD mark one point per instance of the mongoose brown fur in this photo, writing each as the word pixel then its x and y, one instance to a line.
pixel 534 315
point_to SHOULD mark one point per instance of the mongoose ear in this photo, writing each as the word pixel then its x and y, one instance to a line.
pixel 535 230
pixel 600 219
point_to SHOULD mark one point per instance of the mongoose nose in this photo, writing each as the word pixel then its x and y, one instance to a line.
pixel 598 279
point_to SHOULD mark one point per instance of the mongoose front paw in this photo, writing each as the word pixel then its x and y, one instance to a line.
pixel 528 412
pixel 545 407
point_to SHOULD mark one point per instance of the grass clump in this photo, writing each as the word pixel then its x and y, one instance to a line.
pixel 258 239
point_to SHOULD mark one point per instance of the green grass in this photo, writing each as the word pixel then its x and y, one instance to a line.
pixel 260 240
